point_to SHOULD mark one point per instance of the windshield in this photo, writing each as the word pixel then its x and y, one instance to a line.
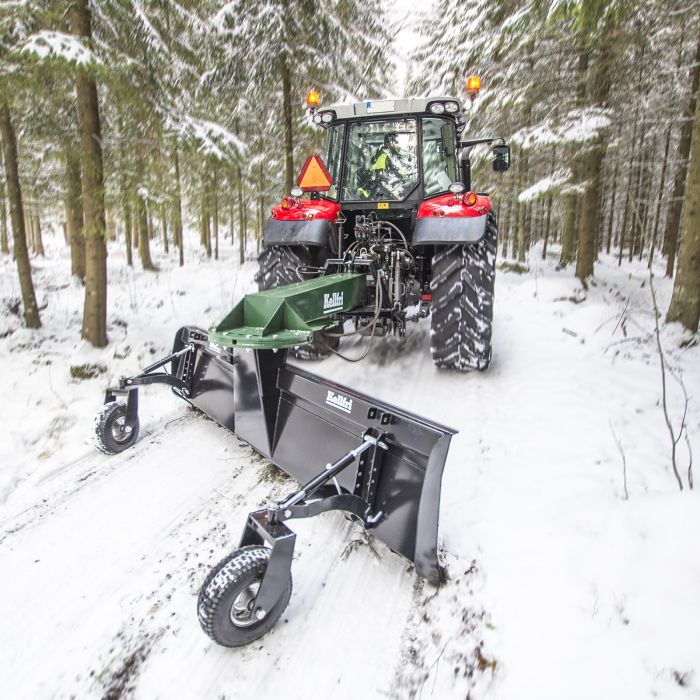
pixel 334 150
pixel 439 158
pixel 382 160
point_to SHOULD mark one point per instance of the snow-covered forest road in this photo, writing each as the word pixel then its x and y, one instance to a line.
pixel 558 586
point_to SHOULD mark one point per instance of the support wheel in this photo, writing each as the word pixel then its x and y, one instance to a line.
pixel 462 308
pixel 279 265
pixel 114 432
pixel 225 604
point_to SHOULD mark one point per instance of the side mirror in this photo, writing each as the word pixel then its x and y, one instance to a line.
pixel 501 158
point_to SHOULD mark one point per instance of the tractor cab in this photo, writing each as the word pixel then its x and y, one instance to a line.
pixel 391 154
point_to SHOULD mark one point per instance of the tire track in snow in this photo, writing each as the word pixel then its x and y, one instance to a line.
pixel 118 545
pixel 72 477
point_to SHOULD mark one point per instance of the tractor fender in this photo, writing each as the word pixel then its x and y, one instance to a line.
pixel 447 231
pixel 446 219
pixel 310 232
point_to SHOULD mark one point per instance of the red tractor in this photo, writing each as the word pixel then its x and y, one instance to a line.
pixel 394 190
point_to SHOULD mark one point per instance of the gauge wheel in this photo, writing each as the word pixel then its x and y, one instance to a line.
pixel 225 607
pixel 114 430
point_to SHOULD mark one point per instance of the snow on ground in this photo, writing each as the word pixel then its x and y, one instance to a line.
pixel 559 587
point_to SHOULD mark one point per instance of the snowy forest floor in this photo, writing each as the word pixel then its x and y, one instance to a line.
pixel 559 587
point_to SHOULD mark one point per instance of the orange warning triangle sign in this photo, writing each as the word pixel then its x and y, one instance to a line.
pixel 314 176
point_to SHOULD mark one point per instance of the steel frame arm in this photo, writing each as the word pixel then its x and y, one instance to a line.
pixel 267 525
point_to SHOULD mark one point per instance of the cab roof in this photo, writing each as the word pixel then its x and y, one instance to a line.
pixel 405 105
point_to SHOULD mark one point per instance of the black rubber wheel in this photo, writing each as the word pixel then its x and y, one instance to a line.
pixel 279 265
pixel 114 432
pixel 225 604
pixel 462 286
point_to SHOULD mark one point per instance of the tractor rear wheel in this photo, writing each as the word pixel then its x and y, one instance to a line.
pixel 462 286
pixel 279 265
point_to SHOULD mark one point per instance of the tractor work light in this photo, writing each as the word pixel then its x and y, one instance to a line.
pixel 327 117
pixel 451 107
pixel 312 100
pixel 437 108
pixel 457 189
pixel 473 86
pixel 317 118
pixel 470 199
pixel 288 202
pixel 296 193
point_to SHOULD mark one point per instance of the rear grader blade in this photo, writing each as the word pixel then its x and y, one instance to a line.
pixel 351 452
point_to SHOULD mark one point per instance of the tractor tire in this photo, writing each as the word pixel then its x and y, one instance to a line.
pixel 278 266
pixel 462 286
pixel 113 431
pixel 225 604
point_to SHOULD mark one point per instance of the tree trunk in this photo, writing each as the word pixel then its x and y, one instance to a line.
pixel 245 224
pixel 36 225
pixel 521 207
pixel 164 227
pixel 659 198
pixel 202 217
pixel 611 220
pixel 206 228
pixel 589 214
pixel 215 214
pixel 567 232
pixel 136 236
pixel 547 223
pixel 95 307
pixel 504 226
pixel 685 302
pixel 287 117
pixel 9 144
pixel 599 84
pixel 74 212
pixel 177 219
pixel 149 219
pixel 261 205
pixel 130 230
pixel 31 244
pixel 4 242
pixel 144 240
pixel 126 212
pixel 674 215
pixel 241 220
pixel 635 223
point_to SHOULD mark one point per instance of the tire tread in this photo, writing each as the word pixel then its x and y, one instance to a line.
pixel 462 308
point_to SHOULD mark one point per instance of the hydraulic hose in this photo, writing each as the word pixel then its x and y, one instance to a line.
pixel 372 324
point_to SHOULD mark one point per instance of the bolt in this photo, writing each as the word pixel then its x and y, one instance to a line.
pixel 260 613
pixel 287 513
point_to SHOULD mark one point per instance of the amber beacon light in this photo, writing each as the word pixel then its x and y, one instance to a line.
pixel 473 86
pixel 312 100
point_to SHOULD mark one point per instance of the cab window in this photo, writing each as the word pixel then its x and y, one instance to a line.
pixel 382 162
pixel 334 151
pixel 439 157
